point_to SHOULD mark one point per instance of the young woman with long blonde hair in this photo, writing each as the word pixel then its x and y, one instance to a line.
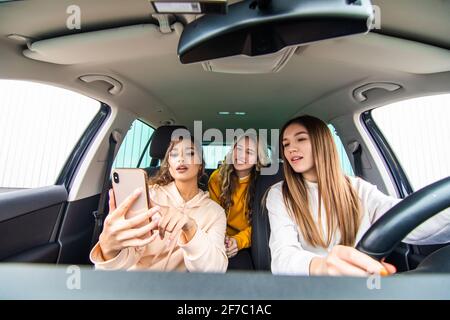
pixel 233 187
pixel 317 214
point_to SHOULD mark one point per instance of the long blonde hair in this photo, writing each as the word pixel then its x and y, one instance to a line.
pixel 229 178
pixel 163 177
pixel 341 202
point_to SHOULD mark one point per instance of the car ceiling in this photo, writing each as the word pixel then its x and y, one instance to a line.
pixel 158 87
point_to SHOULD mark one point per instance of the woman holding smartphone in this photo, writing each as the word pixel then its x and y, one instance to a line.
pixel 183 230
pixel 233 186
pixel 317 215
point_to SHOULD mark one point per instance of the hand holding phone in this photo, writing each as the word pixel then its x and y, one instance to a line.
pixel 119 233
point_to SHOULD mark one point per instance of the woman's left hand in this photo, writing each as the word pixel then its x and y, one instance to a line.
pixel 174 222
pixel 231 246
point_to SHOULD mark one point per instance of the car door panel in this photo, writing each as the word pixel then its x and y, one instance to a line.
pixel 76 230
pixel 29 221
pixel 47 253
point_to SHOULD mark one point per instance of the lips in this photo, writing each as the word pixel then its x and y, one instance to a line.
pixel 296 159
pixel 181 169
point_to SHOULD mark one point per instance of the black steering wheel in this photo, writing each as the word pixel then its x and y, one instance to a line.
pixel 388 231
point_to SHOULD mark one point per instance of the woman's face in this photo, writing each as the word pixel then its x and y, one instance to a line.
pixel 184 161
pixel 245 154
pixel 298 150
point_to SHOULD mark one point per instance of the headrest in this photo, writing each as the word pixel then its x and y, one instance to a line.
pixel 161 140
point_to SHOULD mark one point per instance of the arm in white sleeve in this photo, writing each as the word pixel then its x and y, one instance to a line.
pixel 433 231
pixel 288 256
pixel 205 252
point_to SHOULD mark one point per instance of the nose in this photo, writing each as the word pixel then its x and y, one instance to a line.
pixel 291 149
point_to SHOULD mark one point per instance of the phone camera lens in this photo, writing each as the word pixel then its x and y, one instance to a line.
pixel 116 177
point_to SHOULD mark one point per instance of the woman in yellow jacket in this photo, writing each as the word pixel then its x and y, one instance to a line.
pixel 233 186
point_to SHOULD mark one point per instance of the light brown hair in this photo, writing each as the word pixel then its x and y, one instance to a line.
pixel 341 202
pixel 229 178
pixel 163 177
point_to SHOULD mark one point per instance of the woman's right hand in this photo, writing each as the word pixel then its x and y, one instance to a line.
pixel 344 260
pixel 119 233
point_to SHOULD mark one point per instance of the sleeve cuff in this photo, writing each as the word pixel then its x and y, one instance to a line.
pixel 195 248
pixel 116 263
pixel 305 265
pixel 296 265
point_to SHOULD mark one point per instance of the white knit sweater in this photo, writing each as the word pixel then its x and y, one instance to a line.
pixel 292 255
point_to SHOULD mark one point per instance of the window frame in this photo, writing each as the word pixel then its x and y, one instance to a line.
pixel 67 174
pixel 147 144
pixel 145 149
pixel 392 163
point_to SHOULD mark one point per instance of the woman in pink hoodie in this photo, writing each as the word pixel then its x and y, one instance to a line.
pixel 185 229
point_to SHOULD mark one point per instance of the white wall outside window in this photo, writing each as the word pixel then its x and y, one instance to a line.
pixel 418 131
pixel 39 127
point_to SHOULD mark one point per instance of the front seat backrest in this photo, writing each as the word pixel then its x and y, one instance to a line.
pixel 158 147
pixel 260 220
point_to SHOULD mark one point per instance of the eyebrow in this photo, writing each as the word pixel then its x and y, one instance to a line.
pixel 297 134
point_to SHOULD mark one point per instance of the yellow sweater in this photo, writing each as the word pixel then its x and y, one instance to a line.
pixel 238 226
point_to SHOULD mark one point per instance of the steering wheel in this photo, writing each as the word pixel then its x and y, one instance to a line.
pixel 388 231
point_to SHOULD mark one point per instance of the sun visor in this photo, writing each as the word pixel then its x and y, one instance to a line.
pixel 103 46
pixel 382 52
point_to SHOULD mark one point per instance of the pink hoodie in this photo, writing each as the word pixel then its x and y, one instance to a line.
pixel 204 253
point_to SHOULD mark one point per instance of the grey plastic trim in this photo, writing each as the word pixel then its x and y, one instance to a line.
pixel 17 203
pixel 50 282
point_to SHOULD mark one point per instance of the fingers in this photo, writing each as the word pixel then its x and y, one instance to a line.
pixel 389 267
pixel 338 267
pixel 139 242
pixel 172 223
pixel 162 225
pixel 137 233
pixel 169 221
pixel 157 215
pixel 112 201
pixel 231 247
pixel 143 217
pixel 177 229
pixel 232 252
pixel 126 205
pixel 358 259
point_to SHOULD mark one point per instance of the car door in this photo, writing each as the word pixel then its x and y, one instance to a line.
pixel 413 137
pixel 44 133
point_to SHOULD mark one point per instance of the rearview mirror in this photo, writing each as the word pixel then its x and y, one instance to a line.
pixel 251 28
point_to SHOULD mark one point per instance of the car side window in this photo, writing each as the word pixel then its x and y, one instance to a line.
pixel 343 158
pixel 40 126
pixel 134 150
pixel 213 154
pixel 418 132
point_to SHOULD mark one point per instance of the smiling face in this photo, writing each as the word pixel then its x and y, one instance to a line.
pixel 297 150
pixel 184 161
pixel 245 154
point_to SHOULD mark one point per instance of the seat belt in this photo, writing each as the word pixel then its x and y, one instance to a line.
pixel 99 214
pixel 357 159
